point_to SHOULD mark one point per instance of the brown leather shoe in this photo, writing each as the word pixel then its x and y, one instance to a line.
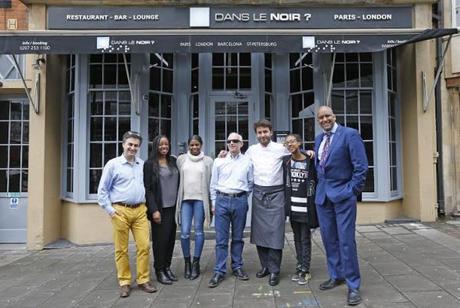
pixel 125 290
pixel 147 287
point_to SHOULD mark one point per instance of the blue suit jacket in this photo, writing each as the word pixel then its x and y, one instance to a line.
pixel 345 170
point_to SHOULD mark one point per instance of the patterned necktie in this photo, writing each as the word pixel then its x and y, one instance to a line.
pixel 325 153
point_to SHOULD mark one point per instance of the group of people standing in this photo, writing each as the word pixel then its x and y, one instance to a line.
pixel 313 188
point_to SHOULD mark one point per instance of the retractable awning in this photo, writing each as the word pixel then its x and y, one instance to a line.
pixel 217 40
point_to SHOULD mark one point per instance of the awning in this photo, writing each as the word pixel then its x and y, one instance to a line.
pixel 199 40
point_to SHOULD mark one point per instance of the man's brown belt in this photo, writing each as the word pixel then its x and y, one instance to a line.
pixel 133 206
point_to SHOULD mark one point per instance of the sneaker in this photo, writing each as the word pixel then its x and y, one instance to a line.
pixel 296 276
pixel 304 278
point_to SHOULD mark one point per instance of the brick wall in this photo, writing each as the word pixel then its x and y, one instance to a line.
pixel 17 11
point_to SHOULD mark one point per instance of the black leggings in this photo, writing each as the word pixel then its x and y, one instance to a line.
pixel 164 238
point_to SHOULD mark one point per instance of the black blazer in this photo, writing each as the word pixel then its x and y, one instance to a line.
pixel 312 218
pixel 153 188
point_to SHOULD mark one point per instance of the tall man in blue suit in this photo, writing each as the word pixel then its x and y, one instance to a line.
pixel 341 166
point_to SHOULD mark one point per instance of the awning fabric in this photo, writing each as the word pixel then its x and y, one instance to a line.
pixel 146 41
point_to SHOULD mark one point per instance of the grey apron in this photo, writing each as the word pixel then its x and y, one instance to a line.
pixel 268 217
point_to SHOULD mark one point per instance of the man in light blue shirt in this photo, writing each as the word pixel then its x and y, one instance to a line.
pixel 121 194
pixel 231 182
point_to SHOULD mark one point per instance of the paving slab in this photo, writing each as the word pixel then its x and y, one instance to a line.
pixel 433 299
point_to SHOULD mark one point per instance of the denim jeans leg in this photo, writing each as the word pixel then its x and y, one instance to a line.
pixel 239 210
pixel 222 227
pixel 198 212
pixel 185 227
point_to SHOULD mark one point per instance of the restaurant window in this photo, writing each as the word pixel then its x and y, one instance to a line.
pixel 302 97
pixel 231 71
pixel 109 106
pixel 70 124
pixel 268 89
pixel 195 94
pixel 160 95
pixel 351 100
pixel 8 70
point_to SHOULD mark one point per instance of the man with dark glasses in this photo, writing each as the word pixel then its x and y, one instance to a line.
pixel 231 182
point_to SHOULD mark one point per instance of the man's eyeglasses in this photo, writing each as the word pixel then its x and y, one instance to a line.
pixel 233 141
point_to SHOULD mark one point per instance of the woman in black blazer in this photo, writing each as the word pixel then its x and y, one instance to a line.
pixel 161 180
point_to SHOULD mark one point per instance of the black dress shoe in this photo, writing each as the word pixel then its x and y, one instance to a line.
pixel 163 278
pixel 354 297
pixel 216 279
pixel 262 273
pixel 240 274
pixel 274 279
pixel 170 274
pixel 330 284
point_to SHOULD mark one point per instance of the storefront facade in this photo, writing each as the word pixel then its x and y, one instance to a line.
pixel 216 73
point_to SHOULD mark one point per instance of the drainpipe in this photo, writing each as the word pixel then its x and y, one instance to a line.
pixel 438 112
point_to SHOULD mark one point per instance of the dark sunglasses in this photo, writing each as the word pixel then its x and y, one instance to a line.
pixel 233 141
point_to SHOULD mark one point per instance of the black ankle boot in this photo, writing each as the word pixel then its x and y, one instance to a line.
pixel 187 268
pixel 195 268
pixel 163 278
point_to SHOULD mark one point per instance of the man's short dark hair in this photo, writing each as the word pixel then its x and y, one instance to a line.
pixel 132 134
pixel 263 123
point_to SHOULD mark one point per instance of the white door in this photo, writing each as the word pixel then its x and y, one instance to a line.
pixel 14 151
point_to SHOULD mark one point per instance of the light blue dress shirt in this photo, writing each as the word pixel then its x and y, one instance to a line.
pixel 231 175
pixel 121 181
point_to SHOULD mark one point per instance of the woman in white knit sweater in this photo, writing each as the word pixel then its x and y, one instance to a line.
pixel 193 201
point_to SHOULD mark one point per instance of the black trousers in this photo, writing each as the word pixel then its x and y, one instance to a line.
pixel 163 239
pixel 270 258
pixel 302 243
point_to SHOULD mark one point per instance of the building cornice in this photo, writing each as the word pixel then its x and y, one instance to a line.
pixel 227 2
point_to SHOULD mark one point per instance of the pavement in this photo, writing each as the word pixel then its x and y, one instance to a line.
pixel 402 265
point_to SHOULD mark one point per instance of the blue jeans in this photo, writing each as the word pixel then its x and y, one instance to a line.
pixel 229 210
pixel 192 210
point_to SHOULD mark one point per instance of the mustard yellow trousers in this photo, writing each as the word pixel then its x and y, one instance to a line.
pixel 134 219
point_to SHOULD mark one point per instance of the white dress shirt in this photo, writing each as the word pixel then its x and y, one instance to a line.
pixel 231 175
pixel 267 163
pixel 321 146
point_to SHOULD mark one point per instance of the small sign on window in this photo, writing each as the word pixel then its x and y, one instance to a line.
pixel 14 202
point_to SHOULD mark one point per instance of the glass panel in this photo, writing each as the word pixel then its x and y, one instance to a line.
pixel 111 104
pixel 16 111
pixel 110 76
pixel 366 75
pixel 352 121
pixel 25 156
pixel 245 78
pixel 352 75
pixel 195 60
pixel 352 102
pixel 154 128
pixel 369 185
pixel 124 124
pixel 245 59
pixel 4 132
pixel 155 79
pixel 220 128
pixel 297 105
pixel 217 59
pixel 69 184
pixel 15 156
pixel 309 129
pixel 3 157
pixel 166 106
pixel 24 184
pixel 167 81
pixel 351 57
pixel 268 80
pixel 96 129
pixel 15 132
pixel 110 151
pixel 168 59
pixel 4 110
pixel 297 126
pixel 268 60
pixel 219 145
pixel 218 78
pixel 166 128
pixel 70 155
pixel 231 108
pixel 339 76
pixel 110 129
pixel 231 78
pixel 295 81
pixel 154 105
pixel 96 155
pixel 365 102
pixel 365 57
pixel 95 76
pixel 194 86
pixel 14 180
pixel 122 77
pixel 369 146
pixel 94 177
pixel 394 178
pixel 231 125
pixel 243 127
pixel 3 181
pixel 337 100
